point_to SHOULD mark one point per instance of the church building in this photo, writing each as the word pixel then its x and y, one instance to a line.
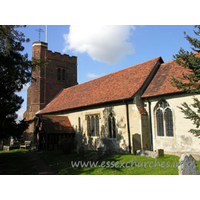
pixel 131 109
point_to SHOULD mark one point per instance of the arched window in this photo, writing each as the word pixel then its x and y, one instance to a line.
pixel 111 126
pixel 164 119
pixel 92 124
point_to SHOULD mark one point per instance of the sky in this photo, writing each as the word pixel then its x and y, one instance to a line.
pixel 101 50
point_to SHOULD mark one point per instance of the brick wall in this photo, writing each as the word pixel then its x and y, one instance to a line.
pixel 46 85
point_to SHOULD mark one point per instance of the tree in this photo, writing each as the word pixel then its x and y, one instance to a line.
pixel 15 71
pixel 190 81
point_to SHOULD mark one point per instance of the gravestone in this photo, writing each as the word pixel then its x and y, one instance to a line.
pixel 6 148
pixel 81 151
pixel 136 139
pixel 188 165
pixel 160 153
pixel 147 153
pixel 101 152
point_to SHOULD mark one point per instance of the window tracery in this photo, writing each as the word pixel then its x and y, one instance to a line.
pixel 164 119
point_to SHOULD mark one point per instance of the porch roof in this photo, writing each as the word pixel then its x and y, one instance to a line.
pixel 56 124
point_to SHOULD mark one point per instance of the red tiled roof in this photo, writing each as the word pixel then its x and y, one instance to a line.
pixel 116 86
pixel 161 83
pixel 56 124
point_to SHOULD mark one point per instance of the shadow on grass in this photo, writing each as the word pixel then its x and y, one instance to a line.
pixel 14 162
pixel 18 162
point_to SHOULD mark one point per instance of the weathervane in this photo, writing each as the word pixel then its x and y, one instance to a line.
pixel 39 30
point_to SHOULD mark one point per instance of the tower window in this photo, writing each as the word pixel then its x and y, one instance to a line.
pixel 59 74
pixel 63 74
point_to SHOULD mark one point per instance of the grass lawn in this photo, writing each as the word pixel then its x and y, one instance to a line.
pixel 61 164
pixel 14 162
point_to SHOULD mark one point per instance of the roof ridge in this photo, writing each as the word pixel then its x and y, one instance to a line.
pixel 168 62
pixel 112 73
pixel 163 76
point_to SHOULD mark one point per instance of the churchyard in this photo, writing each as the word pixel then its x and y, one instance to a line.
pixel 21 162
pixel 14 162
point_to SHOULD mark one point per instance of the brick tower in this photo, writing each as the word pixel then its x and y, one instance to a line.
pixel 49 81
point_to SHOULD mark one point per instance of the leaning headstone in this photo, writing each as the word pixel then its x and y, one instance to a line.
pixel 160 153
pixel 6 148
pixel 188 165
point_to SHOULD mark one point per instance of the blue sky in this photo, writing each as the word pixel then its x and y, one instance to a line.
pixel 101 50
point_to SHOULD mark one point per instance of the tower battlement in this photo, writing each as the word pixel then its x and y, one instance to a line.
pixel 62 57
